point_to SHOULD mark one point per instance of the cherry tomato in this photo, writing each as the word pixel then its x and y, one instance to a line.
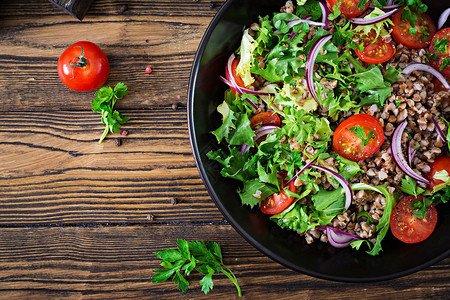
pixel 376 52
pixel 348 8
pixel 440 35
pixel 265 118
pixel 424 26
pixel 83 67
pixel 440 164
pixel 406 226
pixel 278 202
pixel 348 145
pixel 438 86
pixel 236 77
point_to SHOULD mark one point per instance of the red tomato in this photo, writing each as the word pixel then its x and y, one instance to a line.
pixel 375 52
pixel 236 77
pixel 438 86
pixel 348 8
pixel 278 202
pixel 348 145
pixel 440 35
pixel 83 67
pixel 425 31
pixel 407 227
pixel 265 118
pixel 440 164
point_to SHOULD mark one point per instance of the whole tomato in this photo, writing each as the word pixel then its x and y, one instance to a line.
pixel 83 67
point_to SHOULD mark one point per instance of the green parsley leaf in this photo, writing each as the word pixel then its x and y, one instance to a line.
pixel 445 63
pixel 359 132
pixel 441 45
pixel 421 207
pixel 106 98
pixel 410 187
pixel 442 196
pixel 362 4
pixel 335 12
pixel 206 257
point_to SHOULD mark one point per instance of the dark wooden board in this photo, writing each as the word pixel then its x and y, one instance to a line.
pixel 71 262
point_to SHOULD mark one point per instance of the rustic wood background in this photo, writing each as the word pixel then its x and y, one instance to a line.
pixel 75 215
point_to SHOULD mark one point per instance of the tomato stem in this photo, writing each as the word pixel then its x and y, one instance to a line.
pixel 81 63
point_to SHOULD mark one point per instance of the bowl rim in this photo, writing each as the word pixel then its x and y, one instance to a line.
pixel 247 236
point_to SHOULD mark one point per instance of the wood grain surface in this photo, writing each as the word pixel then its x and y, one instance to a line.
pixel 79 219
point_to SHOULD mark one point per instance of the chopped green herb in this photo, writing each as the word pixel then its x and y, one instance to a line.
pixel 359 132
pixel 106 98
pixel 206 258
pixel 410 187
pixel 421 207
pixel 362 4
pixel 445 63
pixel 440 45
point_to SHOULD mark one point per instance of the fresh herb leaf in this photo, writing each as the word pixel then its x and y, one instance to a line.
pixel 410 187
pixel 421 207
pixel 445 63
pixel 206 257
pixel 442 196
pixel 366 215
pixel 106 98
pixel 335 12
pixel 441 45
pixel 347 168
pixel 362 4
pixel 360 133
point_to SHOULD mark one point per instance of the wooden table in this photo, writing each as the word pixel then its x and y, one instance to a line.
pixel 76 215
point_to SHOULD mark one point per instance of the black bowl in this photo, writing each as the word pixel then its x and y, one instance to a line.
pixel 321 260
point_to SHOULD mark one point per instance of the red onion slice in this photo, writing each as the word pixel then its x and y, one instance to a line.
pixel 244 148
pixel 411 152
pixel 344 183
pixel 264 130
pixel 339 238
pixel 325 13
pixel 429 69
pixel 438 130
pixel 396 149
pixel 295 22
pixel 310 65
pixel 443 18
pixel 245 90
pixel 374 20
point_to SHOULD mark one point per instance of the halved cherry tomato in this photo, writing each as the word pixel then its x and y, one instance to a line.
pixel 348 145
pixel 265 118
pixel 440 164
pixel 424 26
pixel 348 8
pixel 438 86
pixel 236 77
pixel 83 67
pixel 406 226
pixel 440 35
pixel 376 52
pixel 278 202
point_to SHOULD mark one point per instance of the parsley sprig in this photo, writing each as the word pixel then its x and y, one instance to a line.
pixel 421 207
pixel 410 187
pixel 106 98
pixel 361 134
pixel 206 258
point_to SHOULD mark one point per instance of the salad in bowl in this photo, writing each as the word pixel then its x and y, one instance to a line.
pixel 336 118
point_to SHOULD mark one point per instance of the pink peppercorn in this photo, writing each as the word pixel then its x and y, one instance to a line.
pixel 123 132
pixel 148 70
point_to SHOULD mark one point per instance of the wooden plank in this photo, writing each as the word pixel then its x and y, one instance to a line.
pixel 53 170
pixel 151 33
pixel 117 263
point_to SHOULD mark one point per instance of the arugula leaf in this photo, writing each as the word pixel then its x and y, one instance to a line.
pixel 360 133
pixel 335 12
pixel 391 74
pixel 106 98
pixel 383 224
pixel 410 187
pixel 254 191
pixel 206 257
pixel 442 196
pixel 347 168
